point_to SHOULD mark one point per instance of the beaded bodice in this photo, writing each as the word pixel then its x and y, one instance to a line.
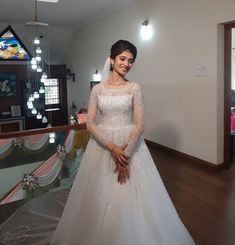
pixel 118 107
pixel 115 111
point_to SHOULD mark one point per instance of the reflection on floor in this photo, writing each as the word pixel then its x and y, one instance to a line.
pixel 35 222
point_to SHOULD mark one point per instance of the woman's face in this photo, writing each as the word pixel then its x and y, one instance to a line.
pixel 123 62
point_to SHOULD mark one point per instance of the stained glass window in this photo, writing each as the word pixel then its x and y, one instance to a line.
pixel 11 47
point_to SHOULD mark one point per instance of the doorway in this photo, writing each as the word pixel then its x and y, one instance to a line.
pixel 229 94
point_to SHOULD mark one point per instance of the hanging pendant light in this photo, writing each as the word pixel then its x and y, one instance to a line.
pixel 36 40
pixel 39 64
pixel 33 61
pixel 36 95
pixel 39 115
pixel 34 67
pixel 52 140
pixel 38 58
pixel 44 119
pixel 41 90
pixel 44 75
pixel 31 98
pixel 38 50
pixel 30 104
pixel 34 111
pixel 39 69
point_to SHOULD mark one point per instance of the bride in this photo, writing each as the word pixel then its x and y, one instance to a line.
pixel 118 197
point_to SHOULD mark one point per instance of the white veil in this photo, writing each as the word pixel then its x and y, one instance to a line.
pixel 106 71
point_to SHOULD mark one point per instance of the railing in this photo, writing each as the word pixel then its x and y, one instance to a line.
pixel 18 134
pixel 30 165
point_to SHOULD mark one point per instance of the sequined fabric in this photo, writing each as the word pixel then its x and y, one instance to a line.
pixel 99 210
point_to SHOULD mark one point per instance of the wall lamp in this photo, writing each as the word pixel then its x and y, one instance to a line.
pixel 146 31
pixel 96 76
pixel 70 75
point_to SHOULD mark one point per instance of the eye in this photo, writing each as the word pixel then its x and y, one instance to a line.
pixel 122 58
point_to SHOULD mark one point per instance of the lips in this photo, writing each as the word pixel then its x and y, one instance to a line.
pixel 124 69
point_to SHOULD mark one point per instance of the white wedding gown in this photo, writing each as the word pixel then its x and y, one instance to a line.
pixel 99 210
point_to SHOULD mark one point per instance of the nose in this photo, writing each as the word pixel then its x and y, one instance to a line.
pixel 126 62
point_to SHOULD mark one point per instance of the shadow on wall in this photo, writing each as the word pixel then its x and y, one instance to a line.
pixel 167 135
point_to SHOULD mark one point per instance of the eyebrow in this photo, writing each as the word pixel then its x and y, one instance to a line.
pixel 122 56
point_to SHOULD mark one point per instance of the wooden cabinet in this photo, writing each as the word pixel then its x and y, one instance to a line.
pixel 12 124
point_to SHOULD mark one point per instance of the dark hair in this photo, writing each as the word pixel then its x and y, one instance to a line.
pixel 120 46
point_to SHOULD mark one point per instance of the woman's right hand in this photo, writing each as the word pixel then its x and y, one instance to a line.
pixel 118 154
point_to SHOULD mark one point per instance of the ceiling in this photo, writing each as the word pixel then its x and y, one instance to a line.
pixel 65 13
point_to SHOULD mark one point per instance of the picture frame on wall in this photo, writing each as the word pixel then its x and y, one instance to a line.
pixel 93 83
pixel 15 111
pixel 7 84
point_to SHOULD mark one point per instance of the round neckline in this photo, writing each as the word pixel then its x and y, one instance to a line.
pixel 117 87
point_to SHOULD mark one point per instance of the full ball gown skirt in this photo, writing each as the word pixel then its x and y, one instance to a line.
pixel 99 210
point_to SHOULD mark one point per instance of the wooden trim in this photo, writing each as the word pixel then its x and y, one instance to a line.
pixel 41 131
pixel 227 94
pixel 195 160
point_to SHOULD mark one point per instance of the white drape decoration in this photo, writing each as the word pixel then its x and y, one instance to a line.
pixel 46 173
pixel 29 143
pixel 36 142
pixel 69 141
pixel 5 145
pixel 16 194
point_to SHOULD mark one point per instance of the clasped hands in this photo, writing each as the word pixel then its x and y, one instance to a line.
pixel 122 164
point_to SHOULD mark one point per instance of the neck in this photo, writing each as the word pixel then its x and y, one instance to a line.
pixel 116 79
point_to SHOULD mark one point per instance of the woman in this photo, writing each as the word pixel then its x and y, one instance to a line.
pixel 118 197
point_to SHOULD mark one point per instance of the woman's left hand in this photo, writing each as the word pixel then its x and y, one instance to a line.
pixel 123 173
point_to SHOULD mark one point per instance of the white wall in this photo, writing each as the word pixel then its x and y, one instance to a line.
pixel 183 111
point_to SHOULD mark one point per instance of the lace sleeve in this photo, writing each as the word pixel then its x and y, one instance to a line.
pixel 100 137
pixel 138 105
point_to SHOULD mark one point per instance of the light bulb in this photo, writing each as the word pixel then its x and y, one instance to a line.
pixel 42 80
pixel 31 98
pixel 96 76
pixel 44 119
pixel 52 135
pixel 30 104
pixel 39 69
pixel 38 50
pixel 146 31
pixel 34 67
pixel 52 140
pixel 39 115
pixel 34 111
pixel 38 58
pixel 33 61
pixel 44 75
pixel 36 95
pixel 36 40
pixel 41 90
